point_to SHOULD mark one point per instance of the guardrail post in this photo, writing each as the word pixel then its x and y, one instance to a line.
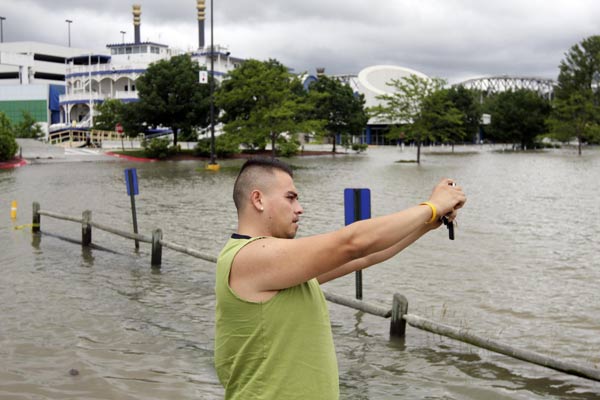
pixel 35 223
pixel 86 228
pixel 399 308
pixel 156 259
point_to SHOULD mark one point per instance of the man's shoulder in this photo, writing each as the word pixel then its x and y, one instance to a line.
pixel 235 243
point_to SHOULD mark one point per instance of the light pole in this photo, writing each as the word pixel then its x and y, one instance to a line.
pixel 213 163
pixel 69 22
pixel 123 36
pixel 2 29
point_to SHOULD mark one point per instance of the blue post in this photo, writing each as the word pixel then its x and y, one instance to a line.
pixel 357 206
pixel 131 182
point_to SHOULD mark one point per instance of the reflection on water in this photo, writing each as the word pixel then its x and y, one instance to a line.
pixel 522 270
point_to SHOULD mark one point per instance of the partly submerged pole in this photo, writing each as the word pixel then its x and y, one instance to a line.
pixel 156 258
pixel 463 335
pixel 35 223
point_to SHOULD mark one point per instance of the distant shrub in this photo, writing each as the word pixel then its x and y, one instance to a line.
pixel 225 146
pixel 8 146
pixel 360 147
pixel 158 148
pixel 288 148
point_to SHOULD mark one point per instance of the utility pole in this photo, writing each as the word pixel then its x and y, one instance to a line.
pixel 213 166
pixel 123 37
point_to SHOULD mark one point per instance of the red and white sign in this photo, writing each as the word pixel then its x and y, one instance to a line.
pixel 119 128
pixel 203 77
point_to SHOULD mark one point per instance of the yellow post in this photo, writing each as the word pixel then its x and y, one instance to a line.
pixel 13 209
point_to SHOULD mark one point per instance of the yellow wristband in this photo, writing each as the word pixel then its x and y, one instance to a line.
pixel 433 211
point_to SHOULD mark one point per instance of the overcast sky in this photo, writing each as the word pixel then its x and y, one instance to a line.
pixel 451 39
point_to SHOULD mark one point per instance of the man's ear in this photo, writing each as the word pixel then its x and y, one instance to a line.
pixel 256 200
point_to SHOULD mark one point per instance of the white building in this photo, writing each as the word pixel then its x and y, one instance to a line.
pixel 60 86
pixel 32 76
pixel 93 78
pixel 31 63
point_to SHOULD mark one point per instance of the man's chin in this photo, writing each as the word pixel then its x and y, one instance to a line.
pixel 293 234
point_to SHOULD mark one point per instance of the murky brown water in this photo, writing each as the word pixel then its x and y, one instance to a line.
pixel 523 269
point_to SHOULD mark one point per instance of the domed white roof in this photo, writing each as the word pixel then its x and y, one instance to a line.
pixel 373 81
pixel 375 78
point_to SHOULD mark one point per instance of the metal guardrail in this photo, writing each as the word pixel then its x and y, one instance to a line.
pixel 398 313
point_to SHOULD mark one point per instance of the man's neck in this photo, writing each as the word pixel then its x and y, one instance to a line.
pixel 252 229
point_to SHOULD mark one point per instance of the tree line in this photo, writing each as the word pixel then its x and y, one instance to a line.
pixel 258 104
pixel 262 103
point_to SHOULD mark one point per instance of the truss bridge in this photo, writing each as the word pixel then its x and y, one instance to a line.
pixel 495 84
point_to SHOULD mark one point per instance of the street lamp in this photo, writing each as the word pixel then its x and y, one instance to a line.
pixel 123 36
pixel 213 163
pixel 69 22
pixel 2 29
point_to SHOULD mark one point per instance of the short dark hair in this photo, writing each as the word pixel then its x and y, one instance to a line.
pixel 249 174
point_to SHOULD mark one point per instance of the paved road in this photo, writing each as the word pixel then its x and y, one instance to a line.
pixel 37 152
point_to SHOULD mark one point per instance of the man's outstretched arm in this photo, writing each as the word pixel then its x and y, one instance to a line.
pixel 270 264
pixel 375 258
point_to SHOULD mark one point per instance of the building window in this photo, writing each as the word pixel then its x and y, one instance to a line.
pixel 127 50
pixel 126 88
pixel 133 88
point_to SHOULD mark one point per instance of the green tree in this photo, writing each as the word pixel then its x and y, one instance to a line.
pixel 576 112
pixel 574 117
pixel 131 119
pixel 110 113
pixel 517 117
pixel 8 144
pixel 342 109
pixel 113 111
pixel 441 118
pixel 402 109
pixel 261 101
pixel 467 101
pixel 171 96
pixel 27 128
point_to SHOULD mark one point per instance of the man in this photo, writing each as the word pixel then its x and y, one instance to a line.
pixel 273 336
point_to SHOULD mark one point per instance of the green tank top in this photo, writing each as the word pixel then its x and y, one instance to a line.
pixel 281 348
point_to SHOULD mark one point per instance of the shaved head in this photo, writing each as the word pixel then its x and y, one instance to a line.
pixel 256 173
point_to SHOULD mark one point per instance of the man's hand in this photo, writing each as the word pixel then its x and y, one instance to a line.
pixel 447 198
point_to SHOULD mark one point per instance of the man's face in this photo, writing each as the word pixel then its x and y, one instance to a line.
pixel 282 207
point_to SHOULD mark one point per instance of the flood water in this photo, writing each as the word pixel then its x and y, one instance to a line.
pixel 524 269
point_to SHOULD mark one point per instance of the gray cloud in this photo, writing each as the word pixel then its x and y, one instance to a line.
pixel 453 39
